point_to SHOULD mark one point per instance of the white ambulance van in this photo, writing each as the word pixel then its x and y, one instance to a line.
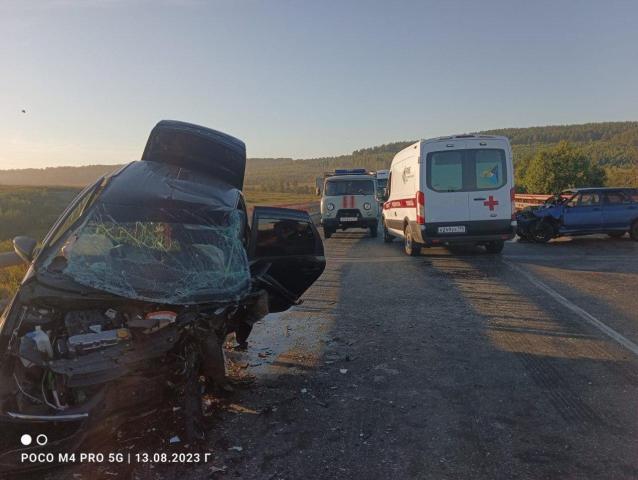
pixel 450 190
pixel 382 181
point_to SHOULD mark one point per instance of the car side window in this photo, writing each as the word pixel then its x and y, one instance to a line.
pixel 572 202
pixel 72 216
pixel 241 206
pixel 588 199
pixel 617 198
pixel 277 237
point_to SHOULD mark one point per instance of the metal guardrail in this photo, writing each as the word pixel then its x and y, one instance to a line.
pixel 523 200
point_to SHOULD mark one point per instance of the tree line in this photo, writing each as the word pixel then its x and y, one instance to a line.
pixel 611 150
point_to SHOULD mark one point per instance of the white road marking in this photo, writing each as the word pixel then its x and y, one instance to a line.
pixel 588 317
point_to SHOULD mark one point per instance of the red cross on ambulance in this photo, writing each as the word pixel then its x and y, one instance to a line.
pixel 491 202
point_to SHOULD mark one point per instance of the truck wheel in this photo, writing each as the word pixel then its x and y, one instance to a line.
pixel 495 247
pixel 542 232
pixel 373 230
pixel 387 238
pixel 327 233
pixel 633 232
pixel 410 246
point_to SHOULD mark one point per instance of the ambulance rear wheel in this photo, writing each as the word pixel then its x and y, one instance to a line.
pixel 327 232
pixel 495 247
pixel 410 246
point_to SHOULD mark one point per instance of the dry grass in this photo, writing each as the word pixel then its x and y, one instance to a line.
pixel 277 198
pixel 10 277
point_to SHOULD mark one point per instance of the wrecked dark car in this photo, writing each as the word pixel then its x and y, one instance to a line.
pixel 133 292
pixel 584 211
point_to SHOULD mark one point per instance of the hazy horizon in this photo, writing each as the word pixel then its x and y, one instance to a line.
pixel 302 79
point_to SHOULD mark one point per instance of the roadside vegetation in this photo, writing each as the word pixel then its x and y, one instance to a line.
pixel 9 277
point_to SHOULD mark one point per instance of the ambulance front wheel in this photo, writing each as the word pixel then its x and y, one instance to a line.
pixel 387 238
pixel 327 232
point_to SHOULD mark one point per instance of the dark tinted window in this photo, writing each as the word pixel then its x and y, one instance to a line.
pixel 617 198
pixel 277 237
pixel 466 170
pixel 349 187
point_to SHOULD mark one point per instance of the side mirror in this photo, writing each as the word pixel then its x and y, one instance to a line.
pixel 286 254
pixel 25 248
pixel 386 194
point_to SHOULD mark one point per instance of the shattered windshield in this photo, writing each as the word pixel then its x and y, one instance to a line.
pixel 168 255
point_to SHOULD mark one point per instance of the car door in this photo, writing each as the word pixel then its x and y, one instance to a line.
pixel 584 213
pixel 617 210
pixel 286 254
pixel 444 177
pixel 490 198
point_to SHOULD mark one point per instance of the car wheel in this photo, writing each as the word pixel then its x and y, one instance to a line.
pixel 616 234
pixel 495 247
pixel 410 246
pixel 327 233
pixel 633 232
pixel 542 232
pixel 387 238
pixel 373 230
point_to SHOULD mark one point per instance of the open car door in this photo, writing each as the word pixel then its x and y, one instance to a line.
pixel 286 254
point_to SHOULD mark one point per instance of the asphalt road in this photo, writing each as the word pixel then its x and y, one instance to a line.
pixel 452 365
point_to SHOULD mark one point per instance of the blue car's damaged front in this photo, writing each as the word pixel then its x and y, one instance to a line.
pixel 584 211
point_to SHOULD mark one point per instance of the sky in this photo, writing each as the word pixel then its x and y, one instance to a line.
pixel 303 78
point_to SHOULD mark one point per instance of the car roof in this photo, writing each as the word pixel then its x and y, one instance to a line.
pixel 465 136
pixel 199 149
pixel 351 177
pixel 153 184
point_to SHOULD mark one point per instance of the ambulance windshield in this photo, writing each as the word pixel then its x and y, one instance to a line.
pixel 349 187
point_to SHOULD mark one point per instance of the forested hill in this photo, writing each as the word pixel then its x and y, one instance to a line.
pixel 614 145
pixel 55 176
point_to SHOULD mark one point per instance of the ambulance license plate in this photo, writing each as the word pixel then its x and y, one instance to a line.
pixel 452 229
pixel 349 219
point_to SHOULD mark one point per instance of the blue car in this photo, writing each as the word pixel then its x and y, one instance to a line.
pixel 582 211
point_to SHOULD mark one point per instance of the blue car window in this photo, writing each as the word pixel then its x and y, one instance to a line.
pixel 588 198
pixel 617 198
